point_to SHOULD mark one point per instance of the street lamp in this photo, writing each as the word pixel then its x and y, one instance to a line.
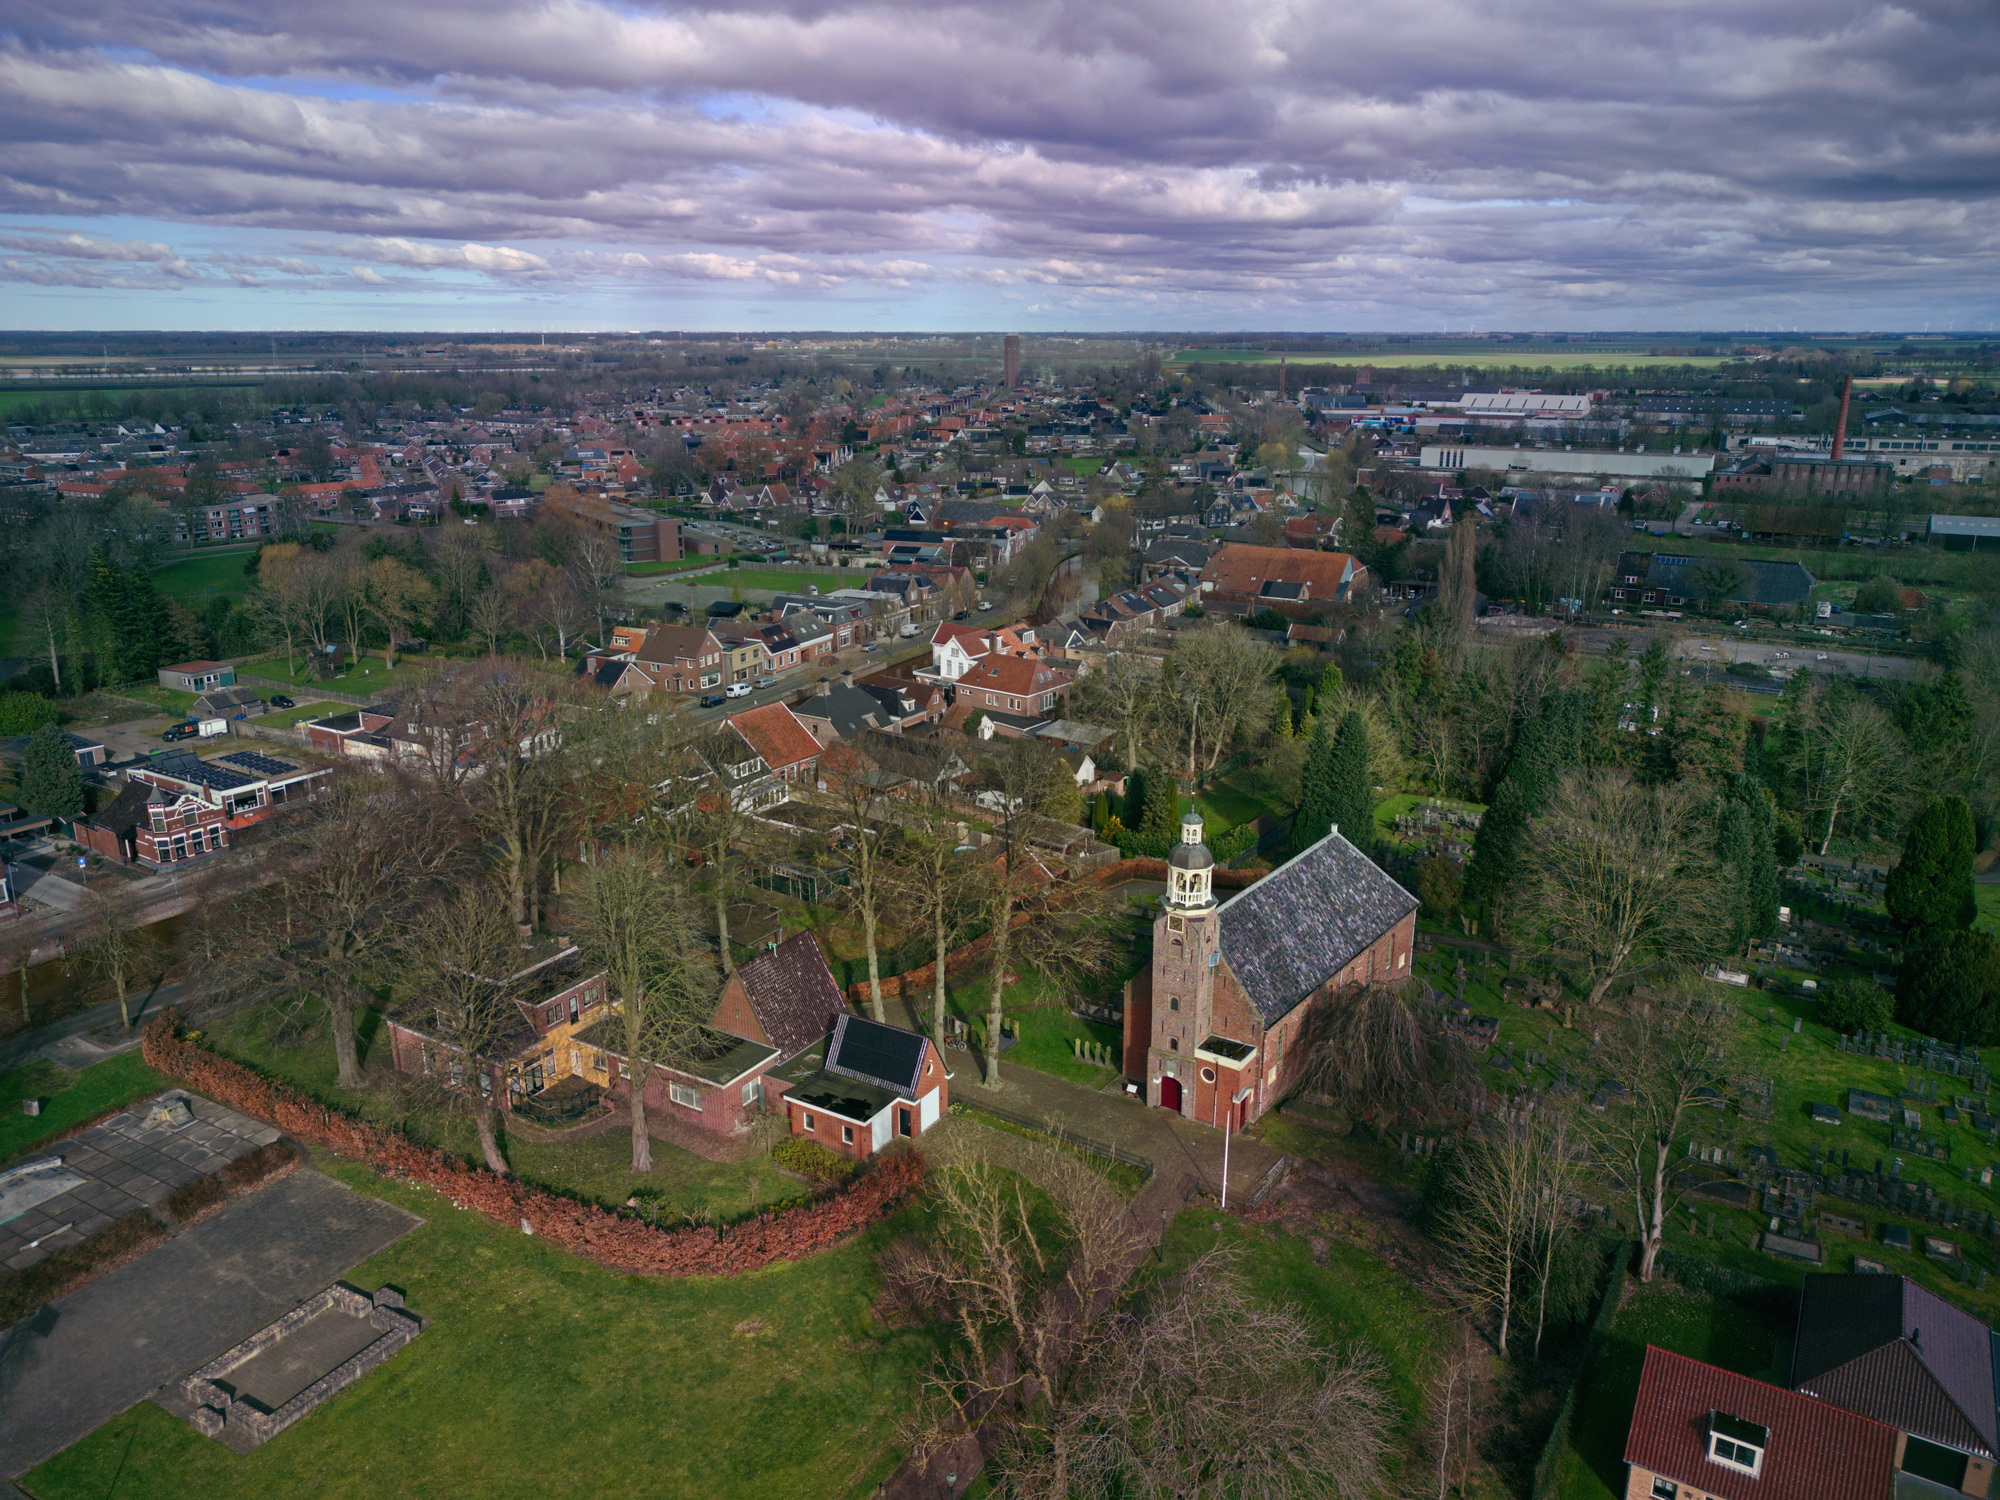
pixel 1241 1095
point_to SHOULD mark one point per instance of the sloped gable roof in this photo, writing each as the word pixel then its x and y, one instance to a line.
pixel 1886 1348
pixel 793 993
pixel 1242 569
pixel 775 733
pixel 1814 1451
pixel 1307 920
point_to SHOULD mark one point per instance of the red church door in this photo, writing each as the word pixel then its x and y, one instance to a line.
pixel 1170 1094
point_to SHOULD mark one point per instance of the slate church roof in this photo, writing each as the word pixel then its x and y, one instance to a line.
pixel 1884 1347
pixel 1307 920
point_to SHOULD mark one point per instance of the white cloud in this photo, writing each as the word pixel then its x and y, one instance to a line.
pixel 1441 154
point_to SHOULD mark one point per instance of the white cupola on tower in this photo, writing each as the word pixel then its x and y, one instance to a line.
pixel 1191 868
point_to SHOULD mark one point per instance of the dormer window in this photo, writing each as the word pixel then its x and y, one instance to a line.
pixel 1736 1444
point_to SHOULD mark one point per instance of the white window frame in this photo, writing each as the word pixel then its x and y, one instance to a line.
pixel 684 1094
pixel 753 1090
pixel 847 1135
pixel 806 1123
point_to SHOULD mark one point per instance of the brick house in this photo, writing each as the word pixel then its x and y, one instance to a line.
pixel 1882 1347
pixel 869 1085
pixel 1018 687
pixel 178 807
pixel 1214 1028
pixel 1290 580
pixel 783 750
pixel 356 734
pixel 1700 1433
pixel 570 1041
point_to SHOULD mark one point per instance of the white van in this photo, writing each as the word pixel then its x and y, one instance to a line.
pixel 739 690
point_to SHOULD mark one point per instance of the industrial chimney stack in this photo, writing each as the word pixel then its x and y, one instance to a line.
pixel 1840 426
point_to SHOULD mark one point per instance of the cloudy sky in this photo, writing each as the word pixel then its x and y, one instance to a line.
pixel 1169 164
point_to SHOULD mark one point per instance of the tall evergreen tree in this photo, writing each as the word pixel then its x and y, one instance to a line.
pixel 1949 986
pixel 1746 832
pixel 1132 811
pixel 51 783
pixel 1547 747
pixel 1160 817
pixel 1316 792
pixel 1931 886
pixel 1353 788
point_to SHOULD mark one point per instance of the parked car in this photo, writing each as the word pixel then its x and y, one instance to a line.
pixel 185 731
pixel 711 700
pixel 739 689
pixel 963 614
pixel 279 700
pixel 764 682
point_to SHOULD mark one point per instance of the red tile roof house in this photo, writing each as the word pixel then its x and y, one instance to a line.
pixel 773 1009
pixel 1017 687
pixel 784 744
pixel 1289 580
pixel 870 1085
pixel 1700 1433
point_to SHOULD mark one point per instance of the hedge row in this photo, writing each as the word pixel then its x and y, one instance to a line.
pixel 584 1229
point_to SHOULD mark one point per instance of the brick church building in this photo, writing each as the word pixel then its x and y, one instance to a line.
pixel 1214 1028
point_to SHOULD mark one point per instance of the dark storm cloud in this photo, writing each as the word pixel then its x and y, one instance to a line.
pixel 1464 151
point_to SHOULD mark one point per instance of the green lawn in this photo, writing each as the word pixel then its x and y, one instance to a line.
pixel 649 569
pixel 167 700
pixel 1391 808
pixel 1988 897
pixel 1744 1337
pixel 285 718
pixel 788 583
pixel 1352 1295
pixel 1811 1069
pixel 365 676
pixel 205 573
pixel 542 1369
pixel 1045 1030
pixel 1240 797
pixel 68 1097
pixel 597 1167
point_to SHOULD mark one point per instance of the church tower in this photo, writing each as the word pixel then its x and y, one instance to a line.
pixel 1186 951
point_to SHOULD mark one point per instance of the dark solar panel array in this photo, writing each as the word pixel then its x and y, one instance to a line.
pixel 263 765
pixel 220 777
pixel 883 1052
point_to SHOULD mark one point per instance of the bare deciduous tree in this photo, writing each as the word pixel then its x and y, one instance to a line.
pixel 1213 1392
pixel 1622 876
pixel 1382 1047
pixel 636 922
pixel 1217 686
pixel 1668 1055
pixel 350 881
pixel 940 882
pixel 1070 932
pixel 463 963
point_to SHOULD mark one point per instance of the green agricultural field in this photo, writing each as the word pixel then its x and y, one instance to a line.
pixel 365 676
pixel 777 1383
pixel 1749 1337
pixel 1483 358
pixel 67 1098
pixel 204 574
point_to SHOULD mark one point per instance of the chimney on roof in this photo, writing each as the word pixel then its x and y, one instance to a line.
pixel 847 677
pixel 1840 423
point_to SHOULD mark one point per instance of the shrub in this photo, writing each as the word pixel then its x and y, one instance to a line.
pixel 1439 886
pixel 1267 619
pixel 22 1292
pixel 811 1160
pixel 24 713
pixel 1856 1005
pixel 253 1168
pixel 193 1198
pixel 611 1239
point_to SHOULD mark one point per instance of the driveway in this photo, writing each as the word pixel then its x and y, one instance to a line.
pixel 1792 658
pixel 105 1348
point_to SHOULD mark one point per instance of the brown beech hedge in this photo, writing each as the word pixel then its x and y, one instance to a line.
pixel 582 1228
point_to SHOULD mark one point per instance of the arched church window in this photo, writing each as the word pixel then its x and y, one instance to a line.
pixel 1174 1002
pixel 1173 1044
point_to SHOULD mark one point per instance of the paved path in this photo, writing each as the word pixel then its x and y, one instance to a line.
pixel 126 1165
pixel 105 1348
